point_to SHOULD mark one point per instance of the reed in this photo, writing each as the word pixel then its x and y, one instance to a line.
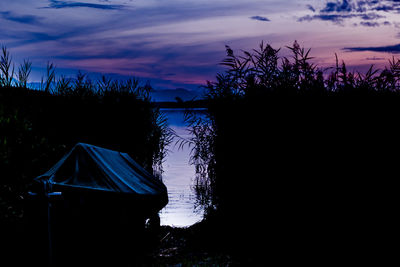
pixel 39 125
pixel 6 67
pixel 255 87
pixel 24 71
pixel 292 158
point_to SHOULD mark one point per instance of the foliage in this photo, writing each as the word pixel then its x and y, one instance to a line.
pixel 38 126
pixel 296 157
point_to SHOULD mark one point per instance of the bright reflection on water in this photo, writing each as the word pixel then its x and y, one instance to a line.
pixel 179 177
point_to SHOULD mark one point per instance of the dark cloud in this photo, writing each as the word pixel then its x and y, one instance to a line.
pixel 343 6
pixel 336 18
pixel 310 7
pixel 69 4
pixel 371 16
pixel 368 11
pixel 375 58
pixel 22 37
pixel 361 6
pixel 260 18
pixel 387 49
pixel 370 24
pixel 33 36
pixel 26 19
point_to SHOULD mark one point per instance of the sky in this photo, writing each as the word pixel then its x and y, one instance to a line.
pixel 179 43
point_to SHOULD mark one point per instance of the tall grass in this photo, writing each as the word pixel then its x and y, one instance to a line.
pixel 260 77
pixel 297 157
pixel 23 73
pixel 37 126
pixel 6 68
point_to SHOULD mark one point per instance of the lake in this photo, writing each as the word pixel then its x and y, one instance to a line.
pixel 179 177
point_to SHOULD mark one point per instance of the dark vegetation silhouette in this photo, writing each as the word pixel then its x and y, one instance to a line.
pixel 296 163
pixel 39 125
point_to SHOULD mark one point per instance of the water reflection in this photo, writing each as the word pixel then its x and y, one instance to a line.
pixel 178 177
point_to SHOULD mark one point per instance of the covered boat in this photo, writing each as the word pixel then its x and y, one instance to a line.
pixel 95 170
pixel 93 205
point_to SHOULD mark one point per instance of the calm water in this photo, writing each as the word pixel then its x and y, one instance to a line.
pixel 178 177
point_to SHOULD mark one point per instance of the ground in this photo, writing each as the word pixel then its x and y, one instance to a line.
pixel 185 247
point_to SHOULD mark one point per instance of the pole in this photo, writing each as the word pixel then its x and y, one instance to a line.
pixel 49 231
pixel 49 235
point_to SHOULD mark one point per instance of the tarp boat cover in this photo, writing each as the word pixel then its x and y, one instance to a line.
pixel 91 168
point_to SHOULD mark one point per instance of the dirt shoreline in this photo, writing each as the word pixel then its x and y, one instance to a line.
pixel 182 247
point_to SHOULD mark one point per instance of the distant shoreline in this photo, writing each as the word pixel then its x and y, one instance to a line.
pixel 198 104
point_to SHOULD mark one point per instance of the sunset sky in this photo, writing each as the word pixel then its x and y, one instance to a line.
pixel 179 43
